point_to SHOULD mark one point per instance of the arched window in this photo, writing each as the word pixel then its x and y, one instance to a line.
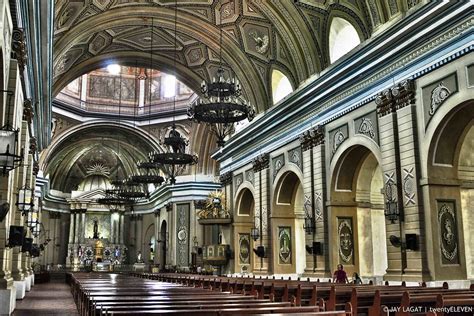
pixel 343 37
pixel 281 86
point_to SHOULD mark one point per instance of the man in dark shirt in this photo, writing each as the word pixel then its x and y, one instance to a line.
pixel 340 275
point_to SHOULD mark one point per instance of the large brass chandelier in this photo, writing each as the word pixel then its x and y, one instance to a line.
pixel 222 104
pixel 176 156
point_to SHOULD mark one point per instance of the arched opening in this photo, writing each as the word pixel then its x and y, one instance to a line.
pixel 243 223
pixel 163 245
pixel 287 225
pixel 246 203
pixel 450 166
pixel 149 244
pixel 357 215
pixel 343 37
pixel 281 86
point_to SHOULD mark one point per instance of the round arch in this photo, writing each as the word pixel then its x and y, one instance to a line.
pixel 357 221
pixel 187 24
pixel 244 202
pixel 289 255
pixel 448 167
pixel 147 246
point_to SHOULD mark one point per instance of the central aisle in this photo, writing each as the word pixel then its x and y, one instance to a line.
pixel 47 299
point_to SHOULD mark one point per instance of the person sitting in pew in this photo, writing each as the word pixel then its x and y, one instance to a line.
pixel 340 275
pixel 356 278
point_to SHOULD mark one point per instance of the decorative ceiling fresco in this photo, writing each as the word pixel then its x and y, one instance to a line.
pixel 258 36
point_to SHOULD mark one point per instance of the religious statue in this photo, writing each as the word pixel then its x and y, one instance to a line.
pixel 96 230
pixel 117 252
pixel 79 252
pixel 139 257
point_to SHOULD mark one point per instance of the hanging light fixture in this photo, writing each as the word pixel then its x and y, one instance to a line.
pixel 147 172
pixel 25 200
pixel 222 104
pixel 9 157
pixel 176 157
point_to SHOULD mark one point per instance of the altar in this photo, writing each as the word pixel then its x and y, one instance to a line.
pixel 102 267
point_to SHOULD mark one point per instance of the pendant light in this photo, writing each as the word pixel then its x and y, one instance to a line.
pixel 176 156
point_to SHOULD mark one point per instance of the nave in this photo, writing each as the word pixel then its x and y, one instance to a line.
pixel 180 294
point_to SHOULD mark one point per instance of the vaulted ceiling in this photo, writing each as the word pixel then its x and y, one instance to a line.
pixel 258 36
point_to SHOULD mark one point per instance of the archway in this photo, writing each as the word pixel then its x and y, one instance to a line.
pixel 163 245
pixel 243 222
pixel 448 208
pixel 357 214
pixel 288 242
pixel 148 242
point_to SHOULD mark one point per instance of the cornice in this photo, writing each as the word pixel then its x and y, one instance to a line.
pixel 400 53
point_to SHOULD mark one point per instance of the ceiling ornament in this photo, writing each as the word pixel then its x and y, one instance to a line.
pixel 221 105
pixel 176 157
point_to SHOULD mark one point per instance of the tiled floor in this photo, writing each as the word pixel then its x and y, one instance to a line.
pixel 47 299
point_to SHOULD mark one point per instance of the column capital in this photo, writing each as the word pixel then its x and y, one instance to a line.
pixel 261 162
pixel 226 178
pixel 395 98
pixel 312 137
pixel 157 212
pixel 19 47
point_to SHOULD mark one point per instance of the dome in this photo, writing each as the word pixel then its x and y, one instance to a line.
pixel 94 182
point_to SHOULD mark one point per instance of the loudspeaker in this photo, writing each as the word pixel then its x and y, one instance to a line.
pixel 26 247
pixel 317 248
pixel 411 241
pixel 260 251
pixel 16 236
pixel 199 251
pixel 4 211
pixel 229 254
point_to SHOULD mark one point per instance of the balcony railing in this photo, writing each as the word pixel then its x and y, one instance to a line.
pixel 164 105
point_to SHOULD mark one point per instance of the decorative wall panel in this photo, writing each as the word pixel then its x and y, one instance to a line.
pixel 244 248
pixel 182 235
pixel 346 240
pixel 367 125
pixel 435 94
pixel 448 232
pixel 295 156
pixel 337 137
pixel 284 245
pixel 277 163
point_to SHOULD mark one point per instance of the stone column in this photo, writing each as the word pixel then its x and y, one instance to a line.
pixel 314 185
pixel 261 170
pixel 72 226
pixel 413 215
pixel 77 226
pixel 122 225
pixel 82 233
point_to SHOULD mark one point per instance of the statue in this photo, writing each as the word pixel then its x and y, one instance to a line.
pixel 117 252
pixel 79 252
pixel 139 257
pixel 96 230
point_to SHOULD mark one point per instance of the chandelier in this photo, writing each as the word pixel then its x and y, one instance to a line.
pixel 176 156
pixel 222 104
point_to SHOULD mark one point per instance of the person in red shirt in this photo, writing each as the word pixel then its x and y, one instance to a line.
pixel 340 275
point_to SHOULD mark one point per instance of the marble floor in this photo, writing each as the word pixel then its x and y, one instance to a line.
pixel 52 298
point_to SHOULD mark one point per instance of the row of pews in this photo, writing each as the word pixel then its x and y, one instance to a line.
pixel 366 299
pixel 119 294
